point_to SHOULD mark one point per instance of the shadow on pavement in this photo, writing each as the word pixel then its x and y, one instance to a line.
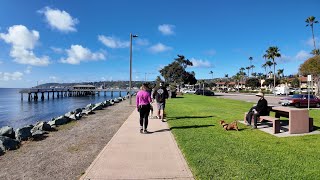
pixel 182 127
pixel 187 117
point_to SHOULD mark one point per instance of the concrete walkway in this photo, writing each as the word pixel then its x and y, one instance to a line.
pixel 132 155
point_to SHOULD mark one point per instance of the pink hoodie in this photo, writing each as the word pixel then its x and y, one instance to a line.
pixel 143 98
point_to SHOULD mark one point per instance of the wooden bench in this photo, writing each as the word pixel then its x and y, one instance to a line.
pixel 275 121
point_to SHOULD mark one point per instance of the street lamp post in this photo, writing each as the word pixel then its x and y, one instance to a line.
pixel 130 82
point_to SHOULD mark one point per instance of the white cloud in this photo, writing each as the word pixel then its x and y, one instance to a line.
pixel 113 42
pixel 60 20
pixel 57 50
pixel 159 48
pixel 77 54
pixel 200 63
pixel 28 70
pixel 210 52
pixel 53 78
pixel 23 42
pixel 5 76
pixel 309 42
pixel 142 42
pixel 166 29
pixel 1 62
pixel 302 55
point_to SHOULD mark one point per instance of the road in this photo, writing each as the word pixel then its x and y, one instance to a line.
pixel 272 100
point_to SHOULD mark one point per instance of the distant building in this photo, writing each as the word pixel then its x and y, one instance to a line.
pixel 84 87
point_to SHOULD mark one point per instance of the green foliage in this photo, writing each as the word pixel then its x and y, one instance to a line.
pixel 253 83
pixel 270 82
pixel 295 82
pixel 311 66
pixel 213 153
pixel 175 72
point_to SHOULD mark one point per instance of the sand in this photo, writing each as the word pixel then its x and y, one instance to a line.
pixel 68 152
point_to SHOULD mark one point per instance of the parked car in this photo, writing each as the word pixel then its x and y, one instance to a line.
pixel 299 100
pixel 205 92
pixel 189 91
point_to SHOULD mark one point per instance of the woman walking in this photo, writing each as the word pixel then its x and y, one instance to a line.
pixel 143 101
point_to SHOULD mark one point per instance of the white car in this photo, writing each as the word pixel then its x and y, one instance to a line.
pixel 189 91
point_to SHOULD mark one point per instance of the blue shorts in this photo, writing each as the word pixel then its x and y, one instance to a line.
pixel 161 106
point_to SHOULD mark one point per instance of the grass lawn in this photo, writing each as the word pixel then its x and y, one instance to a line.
pixel 213 153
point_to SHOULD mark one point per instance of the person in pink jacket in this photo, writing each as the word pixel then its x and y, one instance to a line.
pixel 143 101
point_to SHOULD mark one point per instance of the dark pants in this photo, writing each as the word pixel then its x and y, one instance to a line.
pixel 250 115
pixel 144 113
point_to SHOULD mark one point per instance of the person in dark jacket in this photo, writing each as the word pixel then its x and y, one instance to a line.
pixel 261 109
pixel 160 95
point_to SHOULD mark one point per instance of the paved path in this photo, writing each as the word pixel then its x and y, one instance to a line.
pixel 131 155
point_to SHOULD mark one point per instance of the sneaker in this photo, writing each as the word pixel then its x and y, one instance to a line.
pixel 163 120
pixel 254 127
pixel 145 131
pixel 248 124
pixel 141 130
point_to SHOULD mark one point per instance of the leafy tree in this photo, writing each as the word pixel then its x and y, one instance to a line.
pixel 295 82
pixel 272 53
pixel 175 72
pixel 312 67
pixel 310 22
pixel 269 82
pixel 253 83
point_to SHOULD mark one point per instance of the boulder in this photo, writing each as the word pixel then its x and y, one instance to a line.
pixel 120 98
pixel 7 131
pixel 89 106
pixel 77 111
pixel 7 143
pixel 75 116
pixel 38 134
pixel 87 111
pixel 98 106
pixel 116 100
pixel 23 134
pixel 107 103
pixel 59 121
pixel 69 114
pixel 1 152
pixel 42 126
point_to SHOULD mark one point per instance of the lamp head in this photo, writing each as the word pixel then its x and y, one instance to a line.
pixel 134 35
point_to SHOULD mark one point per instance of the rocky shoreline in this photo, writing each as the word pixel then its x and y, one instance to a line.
pixel 60 152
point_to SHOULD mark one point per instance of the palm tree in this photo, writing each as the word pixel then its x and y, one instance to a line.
pixel 252 66
pixel 280 73
pixel 211 72
pixel 250 59
pixel 310 21
pixel 269 64
pixel 315 52
pixel 265 68
pixel 265 57
pixel 242 69
pixel 272 53
pixel 248 68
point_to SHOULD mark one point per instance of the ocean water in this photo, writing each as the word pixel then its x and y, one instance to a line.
pixel 17 113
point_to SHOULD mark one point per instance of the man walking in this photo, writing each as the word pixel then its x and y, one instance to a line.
pixel 160 95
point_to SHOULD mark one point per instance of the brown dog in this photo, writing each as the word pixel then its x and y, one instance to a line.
pixel 230 126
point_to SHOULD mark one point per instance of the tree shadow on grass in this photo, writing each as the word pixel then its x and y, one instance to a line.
pixel 187 117
pixel 183 127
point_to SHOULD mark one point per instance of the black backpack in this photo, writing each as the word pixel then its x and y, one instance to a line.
pixel 161 95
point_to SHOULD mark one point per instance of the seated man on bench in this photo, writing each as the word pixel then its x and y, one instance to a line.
pixel 261 109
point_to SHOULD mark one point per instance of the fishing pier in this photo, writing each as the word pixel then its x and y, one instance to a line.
pixel 36 94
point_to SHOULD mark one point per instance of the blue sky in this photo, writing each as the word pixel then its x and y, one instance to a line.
pixel 73 41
